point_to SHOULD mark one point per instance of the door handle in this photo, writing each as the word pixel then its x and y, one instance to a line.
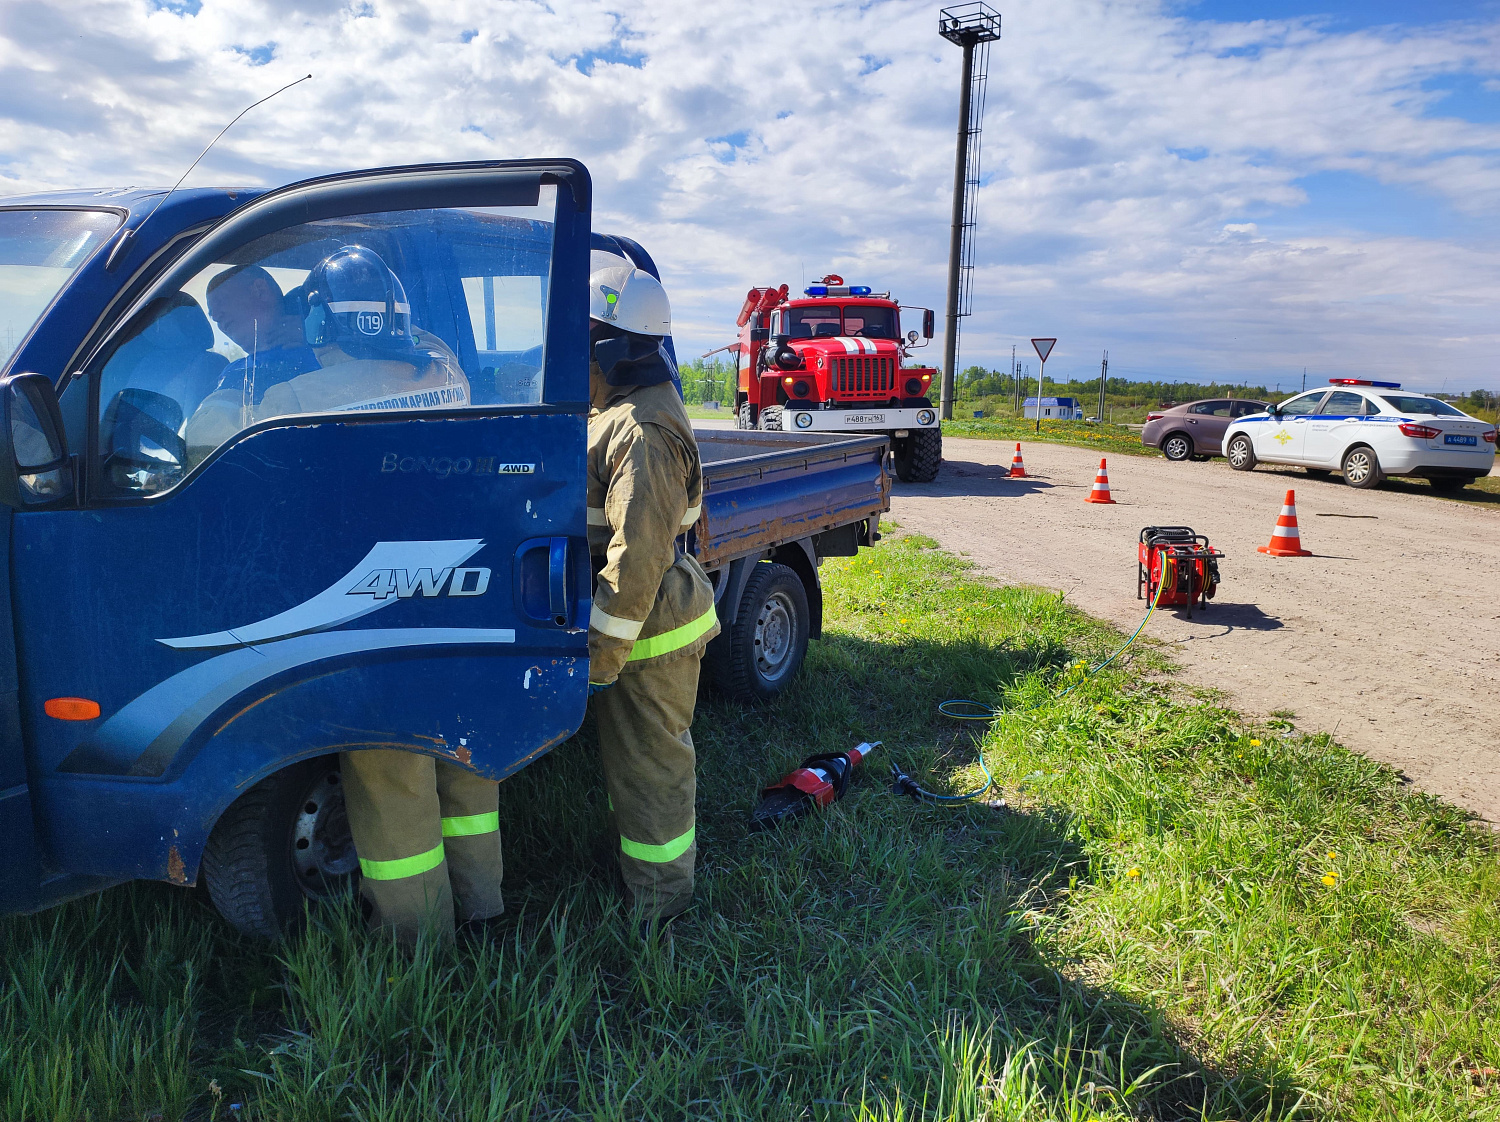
pixel 557 580
pixel 550 576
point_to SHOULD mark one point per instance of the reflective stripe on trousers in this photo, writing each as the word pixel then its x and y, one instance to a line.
pixel 659 854
pixel 403 867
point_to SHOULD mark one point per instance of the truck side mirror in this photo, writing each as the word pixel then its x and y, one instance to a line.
pixel 929 323
pixel 146 454
pixel 34 465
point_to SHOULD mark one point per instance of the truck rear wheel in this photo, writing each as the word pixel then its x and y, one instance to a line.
pixel 770 418
pixel 918 456
pixel 283 842
pixel 760 653
pixel 746 416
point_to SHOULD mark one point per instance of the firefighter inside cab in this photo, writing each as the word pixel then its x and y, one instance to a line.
pixel 653 610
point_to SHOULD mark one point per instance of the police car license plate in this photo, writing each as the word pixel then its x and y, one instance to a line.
pixel 1452 438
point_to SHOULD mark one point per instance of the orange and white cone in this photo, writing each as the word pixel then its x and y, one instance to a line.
pixel 1100 493
pixel 1286 541
pixel 1017 467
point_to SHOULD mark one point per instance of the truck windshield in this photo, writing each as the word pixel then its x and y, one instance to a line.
pixel 871 322
pixel 39 251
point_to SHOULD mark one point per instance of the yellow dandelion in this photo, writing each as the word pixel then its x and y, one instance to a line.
pixel 1332 856
pixel 1134 872
pixel 1255 744
pixel 1330 878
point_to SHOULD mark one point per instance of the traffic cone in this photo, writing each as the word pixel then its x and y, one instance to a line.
pixel 1017 467
pixel 1100 493
pixel 1285 539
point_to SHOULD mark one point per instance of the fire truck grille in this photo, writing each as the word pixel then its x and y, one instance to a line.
pixel 868 376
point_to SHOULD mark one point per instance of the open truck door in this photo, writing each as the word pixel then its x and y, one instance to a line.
pixel 312 516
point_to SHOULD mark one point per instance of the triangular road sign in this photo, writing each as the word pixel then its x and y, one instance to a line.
pixel 1043 347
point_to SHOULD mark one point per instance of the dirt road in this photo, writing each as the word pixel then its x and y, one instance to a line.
pixel 1388 638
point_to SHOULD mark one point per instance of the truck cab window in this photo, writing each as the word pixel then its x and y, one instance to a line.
pixel 870 322
pixel 807 323
pixel 381 312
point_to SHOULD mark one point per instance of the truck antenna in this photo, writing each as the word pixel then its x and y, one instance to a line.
pixel 125 239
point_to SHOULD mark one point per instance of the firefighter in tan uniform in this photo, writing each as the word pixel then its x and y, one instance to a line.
pixel 427 830
pixel 653 604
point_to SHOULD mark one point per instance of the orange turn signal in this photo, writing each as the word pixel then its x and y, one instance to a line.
pixel 71 708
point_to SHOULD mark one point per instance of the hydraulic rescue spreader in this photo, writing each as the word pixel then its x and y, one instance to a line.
pixel 819 781
pixel 1179 562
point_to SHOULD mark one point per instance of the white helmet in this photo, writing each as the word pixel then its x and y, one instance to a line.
pixel 629 299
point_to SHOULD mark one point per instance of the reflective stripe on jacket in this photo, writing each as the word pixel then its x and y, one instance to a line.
pixel 645 487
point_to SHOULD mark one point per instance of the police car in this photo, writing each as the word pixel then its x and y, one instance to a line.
pixel 1367 430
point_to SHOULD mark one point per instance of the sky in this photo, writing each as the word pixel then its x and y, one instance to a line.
pixel 1220 189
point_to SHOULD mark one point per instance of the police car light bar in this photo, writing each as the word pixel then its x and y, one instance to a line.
pixel 1364 382
pixel 836 290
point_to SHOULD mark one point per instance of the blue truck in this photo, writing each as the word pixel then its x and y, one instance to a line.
pixel 233 554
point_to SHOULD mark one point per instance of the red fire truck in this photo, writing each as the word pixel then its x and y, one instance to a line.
pixel 833 362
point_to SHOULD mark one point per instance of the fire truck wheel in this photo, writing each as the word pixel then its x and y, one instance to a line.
pixel 1177 447
pixel 747 415
pixel 1241 454
pixel 770 418
pixel 760 653
pixel 283 842
pixel 918 456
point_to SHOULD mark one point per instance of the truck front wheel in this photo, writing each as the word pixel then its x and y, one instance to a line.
pixel 918 456
pixel 770 418
pixel 283 842
pixel 760 653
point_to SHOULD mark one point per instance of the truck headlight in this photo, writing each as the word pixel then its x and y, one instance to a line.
pixel 804 420
pixel 925 416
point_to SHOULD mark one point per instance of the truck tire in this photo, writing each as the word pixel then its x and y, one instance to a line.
pixel 746 418
pixel 283 842
pixel 770 418
pixel 918 456
pixel 755 658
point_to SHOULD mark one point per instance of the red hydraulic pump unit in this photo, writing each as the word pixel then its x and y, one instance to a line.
pixel 835 360
pixel 1179 562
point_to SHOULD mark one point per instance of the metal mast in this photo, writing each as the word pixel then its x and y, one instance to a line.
pixel 973 27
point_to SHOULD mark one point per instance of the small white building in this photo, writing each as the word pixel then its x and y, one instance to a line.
pixel 1062 408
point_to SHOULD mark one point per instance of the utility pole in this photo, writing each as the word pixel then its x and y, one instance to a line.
pixel 1304 379
pixel 970 26
pixel 1103 374
pixel 1015 379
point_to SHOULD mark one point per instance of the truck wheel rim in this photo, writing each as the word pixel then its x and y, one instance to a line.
pixel 322 847
pixel 774 633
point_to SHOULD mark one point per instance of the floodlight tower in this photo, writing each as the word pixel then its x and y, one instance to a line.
pixel 973 27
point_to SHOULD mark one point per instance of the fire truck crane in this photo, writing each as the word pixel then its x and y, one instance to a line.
pixel 833 362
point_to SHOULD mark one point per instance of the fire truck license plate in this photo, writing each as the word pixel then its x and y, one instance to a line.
pixel 866 418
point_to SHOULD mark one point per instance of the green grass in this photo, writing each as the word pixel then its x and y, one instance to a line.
pixel 1108 439
pixel 1144 931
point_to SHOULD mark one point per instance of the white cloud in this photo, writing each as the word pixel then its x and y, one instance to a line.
pixel 1137 162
